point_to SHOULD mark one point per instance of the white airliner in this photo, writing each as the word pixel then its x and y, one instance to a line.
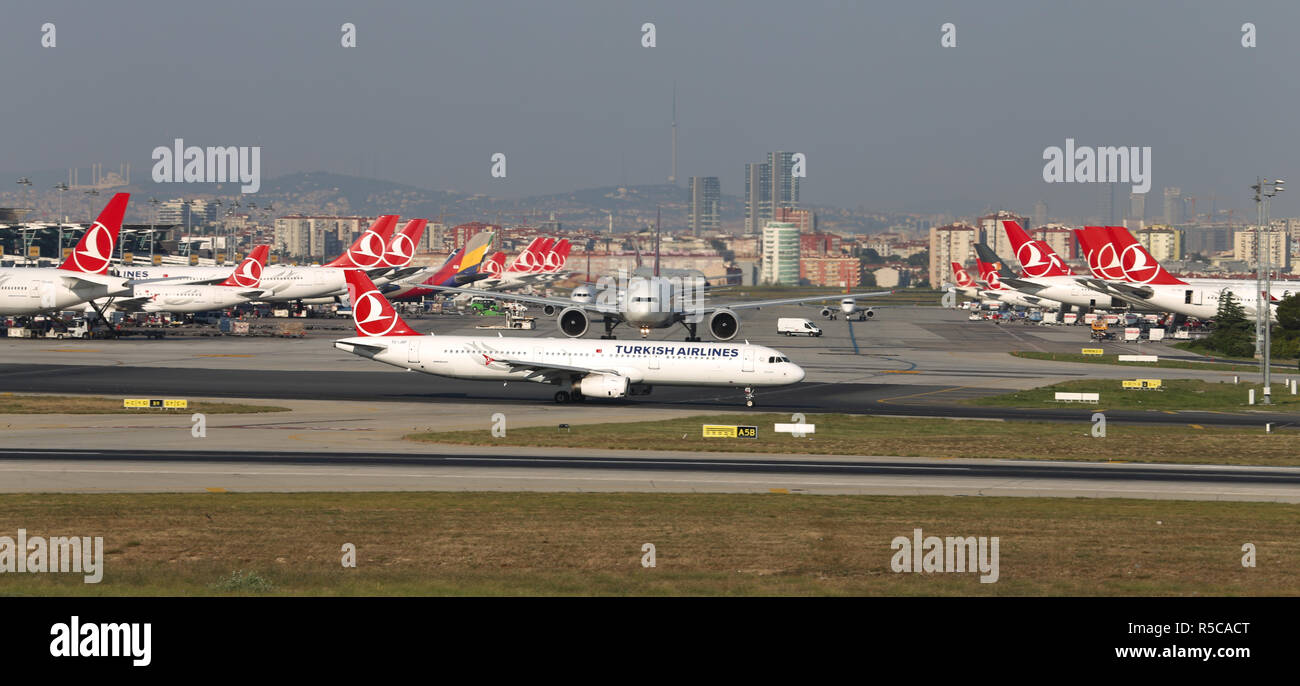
pixel 377 250
pixel 848 308
pixel 1127 271
pixel 580 368
pixel 1043 274
pixel 240 287
pixel 649 303
pixel 82 277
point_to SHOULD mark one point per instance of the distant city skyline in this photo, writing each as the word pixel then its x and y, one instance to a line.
pixel 889 120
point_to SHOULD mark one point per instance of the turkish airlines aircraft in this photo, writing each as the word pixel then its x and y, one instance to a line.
pixel 240 287
pixel 580 368
pixel 1126 270
pixel 993 273
pixel 81 278
pixel 308 284
pixel 1044 274
pixel 541 262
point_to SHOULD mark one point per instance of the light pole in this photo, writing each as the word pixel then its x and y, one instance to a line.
pixel 61 187
pixel 153 219
pixel 1264 191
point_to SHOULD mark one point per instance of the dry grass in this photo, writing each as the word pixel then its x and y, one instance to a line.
pixel 560 544
pixel 69 404
pixel 863 435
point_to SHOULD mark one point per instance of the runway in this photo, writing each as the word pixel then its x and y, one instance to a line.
pixel 384 385
pixel 468 468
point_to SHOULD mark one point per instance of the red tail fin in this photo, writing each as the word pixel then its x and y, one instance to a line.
pixel 372 314
pixel 248 274
pixel 401 249
pixel 1093 239
pixel 557 255
pixel 496 264
pixel 94 251
pixel 989 274
pixel 1136 263
pixel 368 249
pixel 963 277
pixel 1036 258
pixel 527 259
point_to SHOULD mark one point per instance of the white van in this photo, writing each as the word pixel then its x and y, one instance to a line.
pixel 797 327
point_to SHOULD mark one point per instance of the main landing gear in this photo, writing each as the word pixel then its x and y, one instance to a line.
pixel 610 323
pixel 749 396
pixel 690 332
pixel 569 396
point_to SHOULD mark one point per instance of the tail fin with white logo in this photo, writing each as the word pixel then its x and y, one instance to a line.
pixel 962 276
pixel 558 255
pixel 367 251
pixel 401 248
pixel 372 314
pixel 527 258
pixel 95 249
pixel 1037 259
pixel 1137 265
pixel 249 272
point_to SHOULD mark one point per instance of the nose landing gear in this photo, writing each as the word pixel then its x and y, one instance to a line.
pixel 749 396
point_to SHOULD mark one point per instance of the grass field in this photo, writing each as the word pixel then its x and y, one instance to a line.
pixel 1178 394
pixel 838 434
pixel 66 404
pixel 1187 346
pixel 591 544
pixel 1240 368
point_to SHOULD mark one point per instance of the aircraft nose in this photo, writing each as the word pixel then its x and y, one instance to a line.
pixel 798 372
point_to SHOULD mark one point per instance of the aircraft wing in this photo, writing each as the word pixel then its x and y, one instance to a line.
pixel 130 304
pixel 786 301
pixel 1028 287
pixel 536 299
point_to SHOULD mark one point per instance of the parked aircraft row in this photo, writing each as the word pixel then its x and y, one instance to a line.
pixel 1123 275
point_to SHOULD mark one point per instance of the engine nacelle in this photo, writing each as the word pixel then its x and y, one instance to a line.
pixel 549 310
pixel 724 325
pixel 604 386
pixel 827 312
pixel 869 313
pixel 573 322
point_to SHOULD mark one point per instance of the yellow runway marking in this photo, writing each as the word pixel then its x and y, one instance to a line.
pixel 785 491
pixel 1171 411
pixel 215 490
pixel 1198 426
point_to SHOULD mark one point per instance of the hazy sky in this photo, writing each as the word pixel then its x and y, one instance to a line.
pixel 887 118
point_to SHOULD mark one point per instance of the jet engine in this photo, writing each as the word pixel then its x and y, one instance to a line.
pixel 827 312
pixel 573 322
pixel 724 325
pixel 604 386
pixel 549 310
